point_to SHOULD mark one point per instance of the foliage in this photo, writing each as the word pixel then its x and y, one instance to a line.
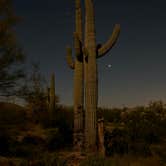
pixel 139 131
pixel 12 120
pixel 110 115
pixel 140 128
pixel 116 142
pixel 12 115
pixel 50 159
pixel 33 90
pixel 96 161
pixel 55 139
pixel 63 121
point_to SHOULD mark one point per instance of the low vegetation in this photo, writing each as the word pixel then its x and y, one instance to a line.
pixel 134 135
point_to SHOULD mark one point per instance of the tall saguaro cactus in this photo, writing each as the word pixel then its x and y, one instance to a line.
pixel 92 52
pixel 77 65
pixel 85 74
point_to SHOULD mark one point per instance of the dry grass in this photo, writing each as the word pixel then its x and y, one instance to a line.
pixel 136 161
pixel 127 160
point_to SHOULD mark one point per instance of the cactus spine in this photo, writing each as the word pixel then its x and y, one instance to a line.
pixel 77 65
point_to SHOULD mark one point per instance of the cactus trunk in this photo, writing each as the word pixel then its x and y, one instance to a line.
pixel 91 76
pixel 78 106
pixel 78 80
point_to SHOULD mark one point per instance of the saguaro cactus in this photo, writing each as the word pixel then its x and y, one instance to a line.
pixel 85 74
pixel 77 65
pixel 52 94
pixel 92 52
pixel 48 97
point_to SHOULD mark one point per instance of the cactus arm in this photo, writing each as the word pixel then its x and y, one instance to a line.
pixel 110 43
pixel 69 58
pixel 78 19
pixel 77 45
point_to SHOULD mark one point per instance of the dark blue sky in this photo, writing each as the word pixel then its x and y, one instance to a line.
pixel 138 60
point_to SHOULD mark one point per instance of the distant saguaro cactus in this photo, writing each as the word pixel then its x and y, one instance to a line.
pixel 77 65
pixel 92 52
pixel 52 94
pixel 48 97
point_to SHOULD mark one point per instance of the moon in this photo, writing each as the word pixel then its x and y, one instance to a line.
pixel 109 66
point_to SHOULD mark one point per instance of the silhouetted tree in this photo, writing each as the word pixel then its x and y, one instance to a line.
pixel 11 56
pixel 33 91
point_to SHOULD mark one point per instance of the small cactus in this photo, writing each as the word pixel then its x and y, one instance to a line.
pixel 52 94
pixel 48 97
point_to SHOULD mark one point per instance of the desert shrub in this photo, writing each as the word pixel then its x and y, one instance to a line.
pixel 12 117
pixel 49 159
pixel 116 142
pixel 139 149
pixel 33 140
pixel 29 148
pixel 13 162
pixel 26 151
pixel 160 151
pixel 41 117
pixel 59 128
pixel 109 115
pixel 55 139
pixel 145 126
pixel 97 161
pixel 63 120
pixel 140 129
pixel 5 140
pixel 18 162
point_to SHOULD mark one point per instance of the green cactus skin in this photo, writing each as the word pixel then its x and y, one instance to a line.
pixel 77 65
pixel 52 94
pixel 90 74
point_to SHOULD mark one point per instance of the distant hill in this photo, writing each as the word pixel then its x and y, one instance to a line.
pixel 12 114
pixel 4 106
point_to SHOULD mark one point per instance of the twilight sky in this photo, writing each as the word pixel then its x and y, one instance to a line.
pixel 138 60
